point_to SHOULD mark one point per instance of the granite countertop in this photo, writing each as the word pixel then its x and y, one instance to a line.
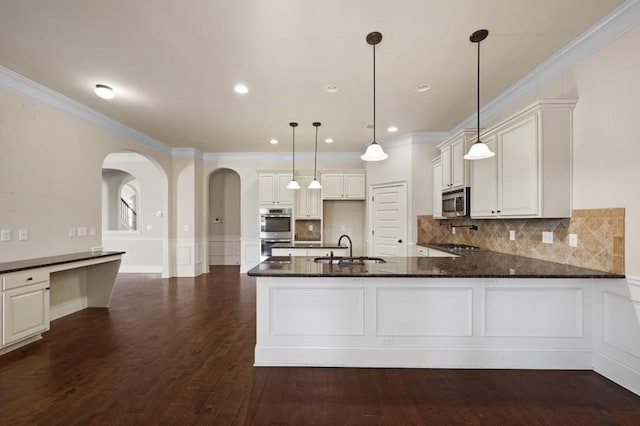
pixel 481 264
pixel 40 262
pixel 309 245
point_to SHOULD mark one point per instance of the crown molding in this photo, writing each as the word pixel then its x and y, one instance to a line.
pixel 275 156
pixel 622 20
pixel 15 82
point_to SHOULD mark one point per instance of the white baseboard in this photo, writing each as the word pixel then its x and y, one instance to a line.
pixel 141 269
pixel 20 344
pixel 568 359
pixel 622 374
pixel 67 308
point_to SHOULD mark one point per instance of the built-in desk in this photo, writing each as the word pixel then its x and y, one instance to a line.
pixel 35 291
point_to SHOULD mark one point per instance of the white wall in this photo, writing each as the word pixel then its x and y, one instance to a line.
pixel 51 176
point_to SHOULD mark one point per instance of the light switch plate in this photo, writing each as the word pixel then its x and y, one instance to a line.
pixel 547 237
pixel 82 231
pixel 5 235
pixel 512 235
pixel 72 232
pixel 92 231
pixel 23 234
pixel 573 240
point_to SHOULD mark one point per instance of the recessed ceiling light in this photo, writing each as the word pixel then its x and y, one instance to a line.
pixel 331 88
pixel 241 89
pixel 273 141
pixel 105 92
pixel 423 87
pixel 328 140
pixel 392 129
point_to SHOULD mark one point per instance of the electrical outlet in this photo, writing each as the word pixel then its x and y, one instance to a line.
pixel 149 227
pixel 5 235
pixel 23 234
pixel 573 240
pixel 82 231
pixel 512 235
pixel 547 237
pixel 387 340
pixel 72 232
pixel 453 231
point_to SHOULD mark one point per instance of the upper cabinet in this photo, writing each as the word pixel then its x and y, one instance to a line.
pixel 437 185
pixel 272 189
pixel 308 202
pixel 343 186
pixel 530 175
pixel 455 170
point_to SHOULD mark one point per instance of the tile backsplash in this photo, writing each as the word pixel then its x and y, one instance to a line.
pixel 600 235
pixel 308 230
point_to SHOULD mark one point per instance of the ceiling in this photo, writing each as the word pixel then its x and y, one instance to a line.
pixel 174 64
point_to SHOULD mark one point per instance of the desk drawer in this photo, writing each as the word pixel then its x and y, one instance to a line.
pixel 19 279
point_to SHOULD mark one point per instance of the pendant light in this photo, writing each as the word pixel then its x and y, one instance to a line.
pixel 293 184
pixel 374 151
pixel 479 150
pixel 314 183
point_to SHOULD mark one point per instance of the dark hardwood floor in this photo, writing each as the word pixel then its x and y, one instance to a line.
pixel 180 351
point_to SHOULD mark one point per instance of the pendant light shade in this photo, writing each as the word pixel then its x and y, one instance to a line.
pixel 479 150
pixel 374 151
pixel 293 184
pixel 314 183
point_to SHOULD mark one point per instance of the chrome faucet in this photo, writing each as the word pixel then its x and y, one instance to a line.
pixel 350 244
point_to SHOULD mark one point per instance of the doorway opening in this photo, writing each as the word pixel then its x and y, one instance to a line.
pixel 224 217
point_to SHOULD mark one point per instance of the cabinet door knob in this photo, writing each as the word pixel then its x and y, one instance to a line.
pixel 400 241
pixel 492 211
pixel 499 211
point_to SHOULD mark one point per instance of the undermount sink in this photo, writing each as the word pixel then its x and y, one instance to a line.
pixel 340 260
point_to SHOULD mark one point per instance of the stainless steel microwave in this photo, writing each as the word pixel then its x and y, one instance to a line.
pixel 275 223
pixel 456 203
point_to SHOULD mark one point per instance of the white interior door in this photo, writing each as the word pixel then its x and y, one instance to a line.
pixel 389 220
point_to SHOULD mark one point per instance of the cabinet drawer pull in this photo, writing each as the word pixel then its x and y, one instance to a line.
pixel 30 279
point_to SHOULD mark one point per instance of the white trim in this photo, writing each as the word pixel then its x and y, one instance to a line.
pixel 140 269
pixel 187 153
pixel 616 371
pixel 15 82
pixel 376 357
pixel 275 156
pixel 623 19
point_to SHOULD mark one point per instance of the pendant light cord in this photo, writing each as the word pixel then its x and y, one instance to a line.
pixel 315 159
pixel 374 93
pixel 478 96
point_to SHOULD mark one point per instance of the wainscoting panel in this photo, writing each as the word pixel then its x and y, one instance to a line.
pixel 424 311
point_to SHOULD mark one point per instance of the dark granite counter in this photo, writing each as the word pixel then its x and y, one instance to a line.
pixel 305 245
pixel 20 265
pixel 481 264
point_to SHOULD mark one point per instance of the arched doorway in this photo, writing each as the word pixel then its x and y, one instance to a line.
pixel 224 217
pixel 134 199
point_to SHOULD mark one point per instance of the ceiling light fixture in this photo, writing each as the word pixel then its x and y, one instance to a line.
pixel 273 141
pixel 103 91
pixel 331 88
pixel 392 129
pixel 314 183
pixel 241 89
pixel 423 88
pixel 328 140
pixel 293 184
pixel 374 151
pixel 479 150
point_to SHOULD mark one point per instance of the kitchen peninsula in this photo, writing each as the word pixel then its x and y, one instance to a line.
pixel 477 310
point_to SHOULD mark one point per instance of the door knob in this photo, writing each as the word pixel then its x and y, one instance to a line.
pixel 400 241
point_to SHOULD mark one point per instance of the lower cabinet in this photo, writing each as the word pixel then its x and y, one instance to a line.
pixel 25 306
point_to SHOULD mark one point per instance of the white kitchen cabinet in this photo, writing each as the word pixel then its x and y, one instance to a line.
pixel 308 201
pixel 25 306
pixel 437 189
pixel 530 175
pixel 343 186
pixel 272 189
pixel 455 170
